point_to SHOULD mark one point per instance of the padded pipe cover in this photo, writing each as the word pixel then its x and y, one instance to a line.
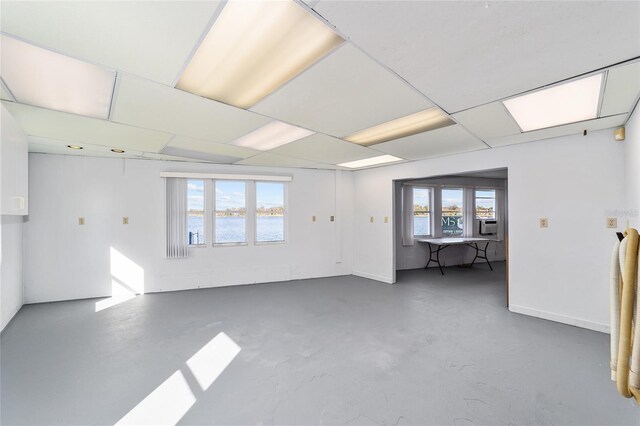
pixel 629 277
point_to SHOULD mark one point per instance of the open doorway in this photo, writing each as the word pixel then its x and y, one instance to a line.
pixel 453 221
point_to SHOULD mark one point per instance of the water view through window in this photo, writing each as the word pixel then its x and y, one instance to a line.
pixel 269 212
pixel 231 212
pixel 195 208
pixel 230 215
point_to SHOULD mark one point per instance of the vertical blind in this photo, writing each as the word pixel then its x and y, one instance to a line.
pixel 176 218
pixel 407 215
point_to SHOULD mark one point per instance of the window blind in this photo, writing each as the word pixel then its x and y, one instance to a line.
pixel 176 218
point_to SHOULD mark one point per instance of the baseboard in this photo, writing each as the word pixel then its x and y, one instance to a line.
pixel 564 319
pixel 373 277
pixel 11 317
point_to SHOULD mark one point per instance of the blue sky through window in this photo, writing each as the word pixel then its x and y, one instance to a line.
pixel 451 197
pixel 195 194
pixel 269 194
pixel 230 195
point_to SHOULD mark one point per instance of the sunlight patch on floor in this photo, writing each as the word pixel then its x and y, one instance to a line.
pixel 170 401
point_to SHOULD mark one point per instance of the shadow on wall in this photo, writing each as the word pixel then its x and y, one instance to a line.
pixel 127 280
pixel 170 401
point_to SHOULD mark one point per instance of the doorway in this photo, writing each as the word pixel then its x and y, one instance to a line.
pixel 452 221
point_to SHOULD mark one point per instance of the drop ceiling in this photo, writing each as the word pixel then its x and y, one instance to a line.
pixel 398 58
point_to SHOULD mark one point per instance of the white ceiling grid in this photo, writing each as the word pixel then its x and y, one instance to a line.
pixel 399 58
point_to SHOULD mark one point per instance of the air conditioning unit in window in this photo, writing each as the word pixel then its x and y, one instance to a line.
pixel 488 227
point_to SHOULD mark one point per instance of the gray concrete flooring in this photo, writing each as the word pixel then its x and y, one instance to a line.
pixel 343 350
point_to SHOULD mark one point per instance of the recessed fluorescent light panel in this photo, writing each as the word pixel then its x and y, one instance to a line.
pixel 566 103
pixel 271 136
pixel 423 121
pixel 42 78
pixel 253 48
pixel 373 161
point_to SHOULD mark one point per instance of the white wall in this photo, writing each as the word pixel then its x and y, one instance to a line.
pixel 10 268
pixel 14 204
pixel 632 168
pixel 64 260
pixel 416 256
pixel 559 273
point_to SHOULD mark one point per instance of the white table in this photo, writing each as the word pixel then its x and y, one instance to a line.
pixel 436 245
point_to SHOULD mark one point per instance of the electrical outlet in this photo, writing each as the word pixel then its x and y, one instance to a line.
pixel 371 219
pixel 544 222
pixel 386 219
pixel 612 222
pixel 313 218
pixel 125 220
pixel 81 221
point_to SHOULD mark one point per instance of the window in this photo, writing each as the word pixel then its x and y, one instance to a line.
pixel 269 212
pixel 220 210
pixel 195 212
pixel 421 212
pixel 485 203
pixel 452 212
pixel 230 212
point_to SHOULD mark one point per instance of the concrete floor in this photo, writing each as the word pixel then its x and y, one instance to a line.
pixel 344 350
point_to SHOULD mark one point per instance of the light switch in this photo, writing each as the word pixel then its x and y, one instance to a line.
pixel 612 222
pixel 313 218
pixel 81 221
pixel 371 219
pixel 544 222
pixel 125 220
pixel 332 218
pixel 386 219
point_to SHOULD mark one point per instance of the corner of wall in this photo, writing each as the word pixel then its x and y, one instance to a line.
pixel 632 169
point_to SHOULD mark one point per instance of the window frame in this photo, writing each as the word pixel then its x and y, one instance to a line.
pixel 285 221
pixel 431 190
pixel 251 214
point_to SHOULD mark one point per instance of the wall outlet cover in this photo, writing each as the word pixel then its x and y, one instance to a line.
pixel 612 222
pixel 544 222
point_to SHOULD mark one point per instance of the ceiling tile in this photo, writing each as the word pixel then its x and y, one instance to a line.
pixel 201 145
pixel 4 93
pixel 150 39
pixel 554 132
pixel 53 146
pixel 464 54
pixel 84 130
pixel 325 149
pixel 488 121
pixel 345 92
pixel 143 103
pixel 622 89
pixel 199 156
pixel 275 160
pixel 436 143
